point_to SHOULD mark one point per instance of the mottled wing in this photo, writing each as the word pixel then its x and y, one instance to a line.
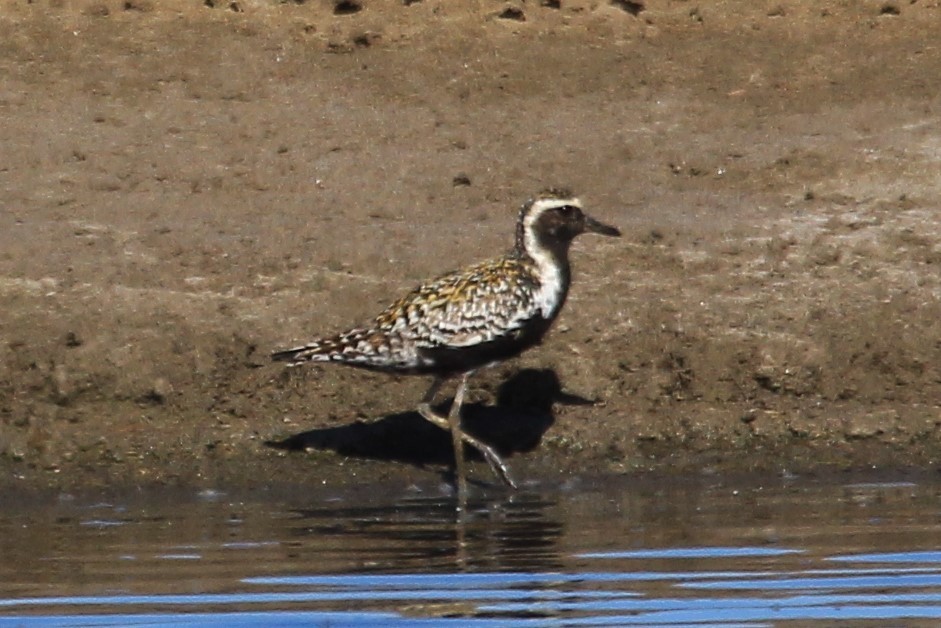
pixel 367 348
pixel 480 304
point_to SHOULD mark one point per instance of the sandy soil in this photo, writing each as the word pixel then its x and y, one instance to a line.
pixel 187 186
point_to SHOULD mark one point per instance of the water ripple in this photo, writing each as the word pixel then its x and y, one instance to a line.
pixel 618 557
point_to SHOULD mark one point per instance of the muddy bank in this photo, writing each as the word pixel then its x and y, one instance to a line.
pixel 186 188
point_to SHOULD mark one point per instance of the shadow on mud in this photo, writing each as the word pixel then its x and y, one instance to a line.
pixel 522 414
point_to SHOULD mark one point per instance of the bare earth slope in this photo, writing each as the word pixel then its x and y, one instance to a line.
pixel 186 186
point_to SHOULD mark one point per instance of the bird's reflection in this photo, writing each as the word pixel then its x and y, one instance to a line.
pixel 511 532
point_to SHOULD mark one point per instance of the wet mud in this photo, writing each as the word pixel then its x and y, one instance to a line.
pixel 188 186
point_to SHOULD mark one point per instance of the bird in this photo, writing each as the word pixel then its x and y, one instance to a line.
pixel 470 318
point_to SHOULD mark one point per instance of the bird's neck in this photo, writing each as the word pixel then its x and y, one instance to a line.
pixel 551 261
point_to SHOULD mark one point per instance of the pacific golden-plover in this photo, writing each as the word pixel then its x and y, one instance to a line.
pixel 469 318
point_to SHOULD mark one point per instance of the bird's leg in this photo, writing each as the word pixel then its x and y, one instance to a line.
pixel 454 420
pixel 424 408
pixel 450 424
pixel 496 463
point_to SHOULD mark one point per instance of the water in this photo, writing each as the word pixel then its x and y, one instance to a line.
pixel 606 552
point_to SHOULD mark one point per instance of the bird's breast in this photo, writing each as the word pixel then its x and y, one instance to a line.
pixel 553 284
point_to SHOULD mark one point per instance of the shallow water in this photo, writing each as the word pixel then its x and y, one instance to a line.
pixel 607 552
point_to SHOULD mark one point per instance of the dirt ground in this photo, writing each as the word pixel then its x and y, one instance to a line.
pixel 186 186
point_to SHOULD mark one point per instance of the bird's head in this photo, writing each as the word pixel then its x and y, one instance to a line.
pixel 553 219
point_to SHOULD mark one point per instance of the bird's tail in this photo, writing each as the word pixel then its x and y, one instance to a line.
pixel 348 347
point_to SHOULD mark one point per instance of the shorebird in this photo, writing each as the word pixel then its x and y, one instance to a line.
pixel 470 318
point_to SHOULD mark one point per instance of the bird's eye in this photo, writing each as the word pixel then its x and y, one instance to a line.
pixel 567 209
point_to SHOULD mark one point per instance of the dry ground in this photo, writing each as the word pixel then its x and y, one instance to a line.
pixel 186 186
